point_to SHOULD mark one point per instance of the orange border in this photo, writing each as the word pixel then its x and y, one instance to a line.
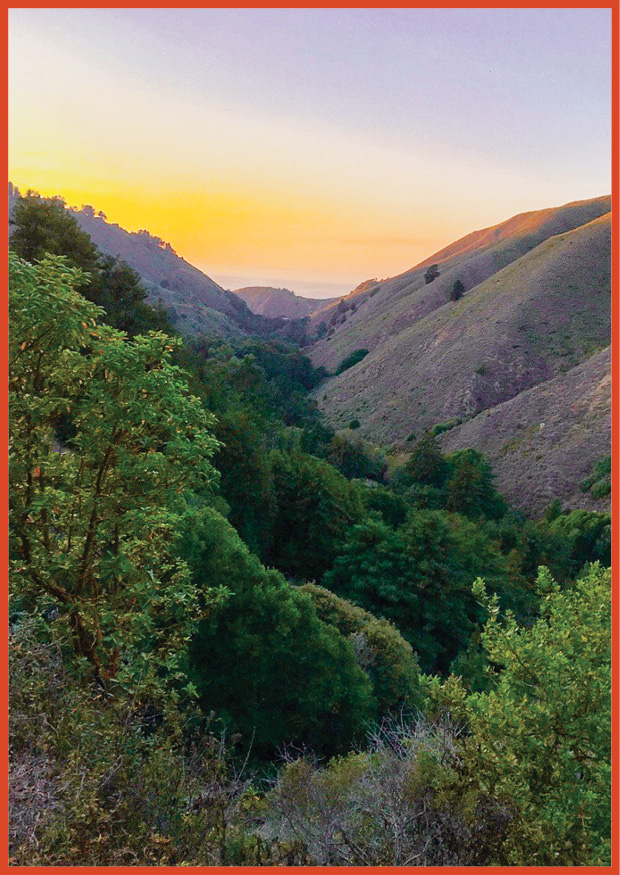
pixel 615 867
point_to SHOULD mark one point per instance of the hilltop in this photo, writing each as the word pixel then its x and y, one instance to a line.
pixel 194 302
pixel 272 302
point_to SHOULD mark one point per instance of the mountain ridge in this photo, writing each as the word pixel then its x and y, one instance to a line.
pixel 535 305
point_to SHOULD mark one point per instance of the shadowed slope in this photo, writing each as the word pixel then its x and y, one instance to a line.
pixel 541 315
pixel 193 301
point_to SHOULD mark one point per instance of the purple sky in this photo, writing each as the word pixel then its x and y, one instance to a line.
pixel 498 110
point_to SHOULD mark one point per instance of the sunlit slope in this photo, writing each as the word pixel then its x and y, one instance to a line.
pixel 546 441
pixel 540 316
pixel 377 311
pixel 272 302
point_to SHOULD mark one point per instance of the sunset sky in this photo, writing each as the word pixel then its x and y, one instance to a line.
pixel 312 148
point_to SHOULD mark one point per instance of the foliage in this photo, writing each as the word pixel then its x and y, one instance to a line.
pixel 246 479
pixel 380 650
pixel 44 226
pixel 351 360
pixel 599 482
pixel 316 506
pixel 356 459
pixel 426 464
pixel 383 806
pixel 419 577
pixel 393 508
pixel 431 273
pixel 456 293
pixel 540 740
pixel 588 535
pixel 469 489
pixel 103 781
pixel 92 527
pixel 263 660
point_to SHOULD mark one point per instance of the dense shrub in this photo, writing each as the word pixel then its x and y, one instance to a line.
pixel 351 360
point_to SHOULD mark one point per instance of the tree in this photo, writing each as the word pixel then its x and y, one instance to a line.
pixel 470 489
pixel 350 361
pixel 45 226
pixel 93 527
pixel 540 740
pixel 589 535
pixel 380 650
pixel 427 464
pixel 316 506
pixel 457 291
pixel 432 273
pixel 419 578
pixel 263 661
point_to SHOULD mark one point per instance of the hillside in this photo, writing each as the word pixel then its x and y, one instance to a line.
pixel 271 302
pixel 546 441
pixel 194 302
pixel 536 305
pixel 380 309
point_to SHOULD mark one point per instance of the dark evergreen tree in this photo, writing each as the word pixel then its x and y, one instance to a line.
pixel 432 273
pixel 457 291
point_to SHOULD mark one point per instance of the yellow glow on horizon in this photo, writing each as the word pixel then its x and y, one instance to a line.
pixel 232 190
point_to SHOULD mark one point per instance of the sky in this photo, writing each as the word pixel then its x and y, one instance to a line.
pixel 310 148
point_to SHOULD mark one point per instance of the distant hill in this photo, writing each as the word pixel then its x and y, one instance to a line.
pixel 194 302
pixel 535 306
pixel 271 302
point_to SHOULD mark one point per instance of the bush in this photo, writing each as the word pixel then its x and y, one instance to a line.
pixel 432 273
pixel 351 360
pixel 380 650
pixel 541 738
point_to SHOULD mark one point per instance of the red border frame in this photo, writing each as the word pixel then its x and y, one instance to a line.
pixel 615 867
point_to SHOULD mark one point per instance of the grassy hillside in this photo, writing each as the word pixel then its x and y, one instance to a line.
pixel 530 313
pixel 271 302
pixel 545 442
pixel 381 309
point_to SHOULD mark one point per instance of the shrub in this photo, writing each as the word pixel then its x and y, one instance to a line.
pixel 351 360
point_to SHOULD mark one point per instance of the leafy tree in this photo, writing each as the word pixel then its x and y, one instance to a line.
pixel 119 290
pixel 427 464
pixel 540 740
pixel 245 479
pixel 45 226
pixel 432 273
pixel 316 506
pixel 380 650
pixel 393 508
pixel 351 360
pixel 92 528
pixel 355 458
pixel 588 535
pixel 263 660
pixel 599 482
pixel 419 577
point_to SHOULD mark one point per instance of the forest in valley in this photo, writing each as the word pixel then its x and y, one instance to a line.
pixel 239 636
